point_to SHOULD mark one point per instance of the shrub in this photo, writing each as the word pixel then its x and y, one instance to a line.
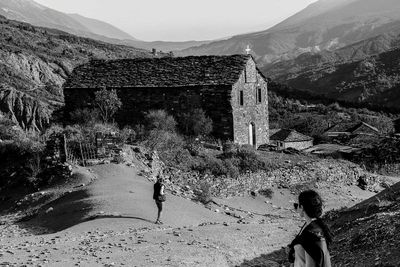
pixel 204 194
pixel 53 129
pixel 208 164
pixel 249 160
pixel 232 169
pixel 73 132
pixel 169 145
pixel 196 123
pixel 85 116
pixel 230 147
pixel 127 135
pixel 8 129
pixel 118 159
pixel 194 147
pixel 160 120
pixel 21 162
pixel 268 193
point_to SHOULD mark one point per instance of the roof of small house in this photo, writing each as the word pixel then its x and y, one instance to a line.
pixel 287 135
pixel 159 72
pixel 349 127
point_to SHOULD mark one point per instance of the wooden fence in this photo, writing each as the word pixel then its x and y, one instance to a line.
pixel 83 151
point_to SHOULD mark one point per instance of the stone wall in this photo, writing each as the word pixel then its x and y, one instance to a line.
pixel 214 100
pixel 251 111
pixel 316 173
pixel 298 145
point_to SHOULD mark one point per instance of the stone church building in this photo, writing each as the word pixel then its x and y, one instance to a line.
pixel 230 89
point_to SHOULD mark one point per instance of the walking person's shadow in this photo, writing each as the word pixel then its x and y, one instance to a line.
pixel 108 216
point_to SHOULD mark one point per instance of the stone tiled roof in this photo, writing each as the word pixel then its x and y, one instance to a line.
pixel 159 72
pixel 286 135
pixel 349 127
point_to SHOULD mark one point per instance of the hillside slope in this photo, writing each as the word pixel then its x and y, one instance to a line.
pixel 369 232
pixel 101 27
pixel 35 62
pixel 36 14
pixel 324 25
pixel 374 80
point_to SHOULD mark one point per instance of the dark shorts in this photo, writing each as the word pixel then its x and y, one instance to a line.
pixel 159 205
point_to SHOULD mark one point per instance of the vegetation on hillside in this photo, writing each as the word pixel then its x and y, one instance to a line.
pixel 311 117
pixel 35 62
pixel 369 81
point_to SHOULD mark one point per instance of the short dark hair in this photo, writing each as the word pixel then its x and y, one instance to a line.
pixel 312 203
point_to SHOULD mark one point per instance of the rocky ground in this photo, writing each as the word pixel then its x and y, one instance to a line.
pixel 104 216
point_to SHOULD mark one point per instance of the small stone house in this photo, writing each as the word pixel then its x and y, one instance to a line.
pixel 285 138
pixel 230 89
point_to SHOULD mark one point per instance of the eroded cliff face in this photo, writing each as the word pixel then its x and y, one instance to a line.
pixel 29 112
pixel 34 64
pixel 30 89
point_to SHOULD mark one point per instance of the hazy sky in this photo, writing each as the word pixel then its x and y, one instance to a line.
pixel 179 20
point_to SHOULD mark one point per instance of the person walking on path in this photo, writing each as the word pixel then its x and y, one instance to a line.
pixel 159 197
pixel 310 246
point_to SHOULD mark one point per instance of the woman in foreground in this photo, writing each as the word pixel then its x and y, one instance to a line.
pixel 310 246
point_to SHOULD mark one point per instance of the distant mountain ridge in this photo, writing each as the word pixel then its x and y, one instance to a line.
pixel 101 28
pixel 372 81
pixel 324 25
pixel 287 69
pixel 33 13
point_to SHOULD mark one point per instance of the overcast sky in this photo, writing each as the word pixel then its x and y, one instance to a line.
pixel 179 20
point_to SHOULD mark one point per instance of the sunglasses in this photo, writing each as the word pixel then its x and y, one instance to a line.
pixel 296 205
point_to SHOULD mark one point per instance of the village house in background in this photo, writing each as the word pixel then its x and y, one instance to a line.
pixel 351 129
pixel 285 138
pixel 230 89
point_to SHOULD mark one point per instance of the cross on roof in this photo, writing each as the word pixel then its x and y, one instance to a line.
pixel 248 50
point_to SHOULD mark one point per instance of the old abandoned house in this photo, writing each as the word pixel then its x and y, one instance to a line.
pixel 351 129
pixel 230 89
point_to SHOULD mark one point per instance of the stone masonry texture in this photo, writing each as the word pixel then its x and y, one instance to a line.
pixel 212 84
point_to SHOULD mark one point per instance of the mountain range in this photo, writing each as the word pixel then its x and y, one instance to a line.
pixel 338 49
pixel 324 25
pixel 36 14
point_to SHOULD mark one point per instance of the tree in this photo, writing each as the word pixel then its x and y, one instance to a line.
pixel 196 123
pixel 108 103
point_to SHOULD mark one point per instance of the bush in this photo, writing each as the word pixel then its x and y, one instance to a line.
pixel 159 120
pixel 249 160
pixel 268 193
pixel 232 169
pixel 210 165
pixel 230 147
pixel 204 194
pixel 196 123
pixel 127 135
pixel 21 162
pixel 169 145
pixel 73 133
pixel 85 116
pixel 9 129
pixel 194 147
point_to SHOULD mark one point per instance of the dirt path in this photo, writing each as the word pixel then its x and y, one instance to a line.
pixel 237 232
